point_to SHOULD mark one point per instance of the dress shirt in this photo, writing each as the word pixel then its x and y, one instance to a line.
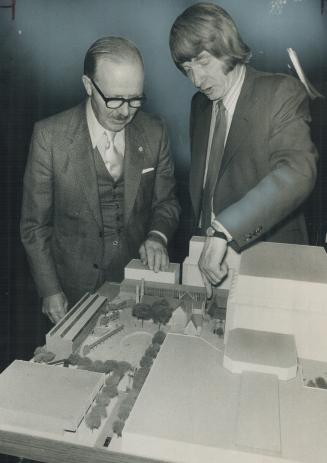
pixel 96 131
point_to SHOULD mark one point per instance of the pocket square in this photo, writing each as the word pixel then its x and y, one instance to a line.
pixel 149 169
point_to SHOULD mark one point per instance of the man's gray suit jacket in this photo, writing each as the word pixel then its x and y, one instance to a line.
pixel 61 223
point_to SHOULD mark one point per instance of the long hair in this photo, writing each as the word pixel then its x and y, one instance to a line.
pixel 207 27
pixel 115 48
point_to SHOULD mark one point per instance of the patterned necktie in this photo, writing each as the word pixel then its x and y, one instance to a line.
pixel 111 156
pixel 215 158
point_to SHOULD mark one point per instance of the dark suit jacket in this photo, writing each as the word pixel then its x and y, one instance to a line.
pixel 61 223
pixel 269 163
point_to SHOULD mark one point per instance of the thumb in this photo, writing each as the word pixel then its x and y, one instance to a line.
pixel 224 269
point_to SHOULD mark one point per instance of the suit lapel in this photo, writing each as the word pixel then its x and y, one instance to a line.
pixel 80 153
pixel 135 147
pixel 240 127
pixel 200 138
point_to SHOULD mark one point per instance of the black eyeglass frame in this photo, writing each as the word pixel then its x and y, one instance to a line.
pixel 139 99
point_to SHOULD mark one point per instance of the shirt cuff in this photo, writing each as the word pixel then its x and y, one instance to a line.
pixel 220 228
pixel 162 235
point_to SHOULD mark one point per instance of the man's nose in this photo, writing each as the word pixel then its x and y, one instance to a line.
pixel 124 109
pixel 196 77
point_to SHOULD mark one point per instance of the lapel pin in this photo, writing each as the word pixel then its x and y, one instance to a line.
pixel 140 148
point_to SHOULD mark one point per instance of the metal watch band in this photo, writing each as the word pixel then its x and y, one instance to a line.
pixel 216 234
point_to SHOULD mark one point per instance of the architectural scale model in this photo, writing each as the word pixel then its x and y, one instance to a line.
pixel 67 335
pixel 256 409
pixel 184 393
pixel 135 270
pixel 282 288
pixel 46 398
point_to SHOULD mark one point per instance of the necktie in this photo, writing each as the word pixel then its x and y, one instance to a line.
pixel 111 156
pixel 215 158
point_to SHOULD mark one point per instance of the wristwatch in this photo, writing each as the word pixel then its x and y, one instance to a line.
pixel 217 234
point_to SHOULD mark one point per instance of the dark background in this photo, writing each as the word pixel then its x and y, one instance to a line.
pixel 41 59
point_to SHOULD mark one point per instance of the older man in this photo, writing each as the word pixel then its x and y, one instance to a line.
pixel 99 184
pixel 253 162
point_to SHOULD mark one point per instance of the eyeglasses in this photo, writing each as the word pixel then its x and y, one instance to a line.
pixel 117 102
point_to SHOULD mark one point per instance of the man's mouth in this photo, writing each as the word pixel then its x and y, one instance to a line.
pixel 207 90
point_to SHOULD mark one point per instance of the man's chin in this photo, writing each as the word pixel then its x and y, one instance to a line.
pixel 116 126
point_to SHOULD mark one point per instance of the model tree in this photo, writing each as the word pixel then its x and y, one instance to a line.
pixel 100 409
pixel 158 338
pixel 85 363
pixel 122 368
pixel 110 365
pixel 161 312
pixel 111 390
pixel 123 412
pixel 113 380
pixel 103 399
pixel 74 359
pixel 99 366
pixel 142 312
pixel 321 382
pixel 140 377
pixel 152 351
pixel 118 427
pixel 146 361
pixel 93 420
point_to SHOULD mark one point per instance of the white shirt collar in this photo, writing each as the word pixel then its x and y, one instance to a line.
pixel 96 129
pixel 231 97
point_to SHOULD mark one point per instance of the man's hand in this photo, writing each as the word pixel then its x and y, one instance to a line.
pixel 211 263
pixel 55 306
pixel 154 254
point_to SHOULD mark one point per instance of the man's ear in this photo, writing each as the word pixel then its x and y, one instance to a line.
pixel 87 84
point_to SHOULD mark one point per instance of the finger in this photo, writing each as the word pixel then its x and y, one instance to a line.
pixel 47 313
pixel 207 285
pixel 150 257
pixel 212 277
pixel 62 312
pixel 143 255
pixel 51 317
pixel 224 270
pixel 55 313
pixel 157 260
pixel 164 261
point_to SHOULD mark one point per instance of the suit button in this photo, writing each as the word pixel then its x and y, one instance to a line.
pixel 95 266
pixel 115 243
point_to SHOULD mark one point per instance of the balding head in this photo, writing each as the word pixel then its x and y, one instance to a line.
pixel 115 49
